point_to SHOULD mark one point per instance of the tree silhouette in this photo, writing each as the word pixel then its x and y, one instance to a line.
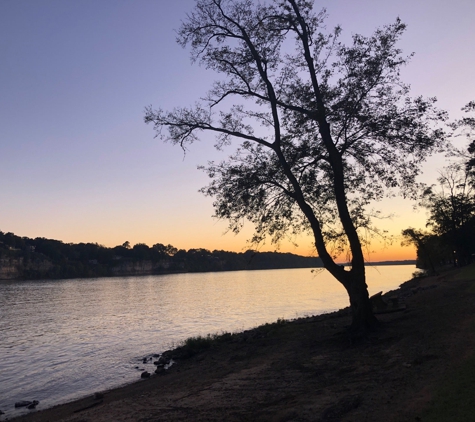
pixel 452 211
pixel 421 241
pixel 325 128
pixel 467 125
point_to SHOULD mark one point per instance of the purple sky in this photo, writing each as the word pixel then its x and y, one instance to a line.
pixel 78 164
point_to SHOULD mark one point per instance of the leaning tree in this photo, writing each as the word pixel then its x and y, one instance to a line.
pixel 324 128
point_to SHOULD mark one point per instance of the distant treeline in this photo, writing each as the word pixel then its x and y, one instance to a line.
pixel 40 258
pixel 403 262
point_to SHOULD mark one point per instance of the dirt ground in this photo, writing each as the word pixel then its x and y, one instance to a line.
pixel 307 369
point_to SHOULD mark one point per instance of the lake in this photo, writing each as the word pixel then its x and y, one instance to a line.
pixel 64 339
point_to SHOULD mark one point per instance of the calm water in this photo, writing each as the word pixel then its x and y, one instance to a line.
pixel 60 340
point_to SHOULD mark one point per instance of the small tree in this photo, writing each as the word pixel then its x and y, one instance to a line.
pixel 421 241
pixel 325 128
pixel 452 212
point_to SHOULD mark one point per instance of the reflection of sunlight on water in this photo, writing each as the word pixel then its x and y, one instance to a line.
pixel 68 338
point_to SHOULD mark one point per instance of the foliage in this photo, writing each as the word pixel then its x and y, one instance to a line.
pixel 452 212
pixel 379 134
pixel 451 207
pixel 325 129
pixel 47 258
pixel 467 126
pixel 432 252
pixel 194 345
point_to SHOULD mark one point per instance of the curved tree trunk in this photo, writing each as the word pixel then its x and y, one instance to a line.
pixel 363 319
pixel 354 280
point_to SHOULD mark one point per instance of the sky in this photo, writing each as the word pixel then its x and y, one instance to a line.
pixel 77 161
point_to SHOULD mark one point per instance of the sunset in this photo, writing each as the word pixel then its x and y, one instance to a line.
pixel 79 164
pixel 237 210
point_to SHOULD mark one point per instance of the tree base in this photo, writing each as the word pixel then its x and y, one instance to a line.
pixel 360 329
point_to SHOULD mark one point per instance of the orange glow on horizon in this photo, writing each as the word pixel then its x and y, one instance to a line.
pixel 207 233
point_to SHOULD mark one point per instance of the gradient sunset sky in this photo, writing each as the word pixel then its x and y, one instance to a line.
pixel 77 162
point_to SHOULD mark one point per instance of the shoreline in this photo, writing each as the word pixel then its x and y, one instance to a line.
pixel 86 368
pixel 178 354
pixel 289 367
pixel 147 274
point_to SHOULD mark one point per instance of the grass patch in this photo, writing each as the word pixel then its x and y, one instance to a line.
pixel 466 273
pixel 194 345
pixel 454 400
pixel 420 274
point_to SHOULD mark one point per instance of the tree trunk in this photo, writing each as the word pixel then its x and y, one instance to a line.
pixel 354 281
pixel 363 319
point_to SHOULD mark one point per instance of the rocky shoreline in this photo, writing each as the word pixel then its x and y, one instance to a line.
pixel 306 369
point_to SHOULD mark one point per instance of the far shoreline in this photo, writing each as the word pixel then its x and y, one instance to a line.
pixel 368 264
